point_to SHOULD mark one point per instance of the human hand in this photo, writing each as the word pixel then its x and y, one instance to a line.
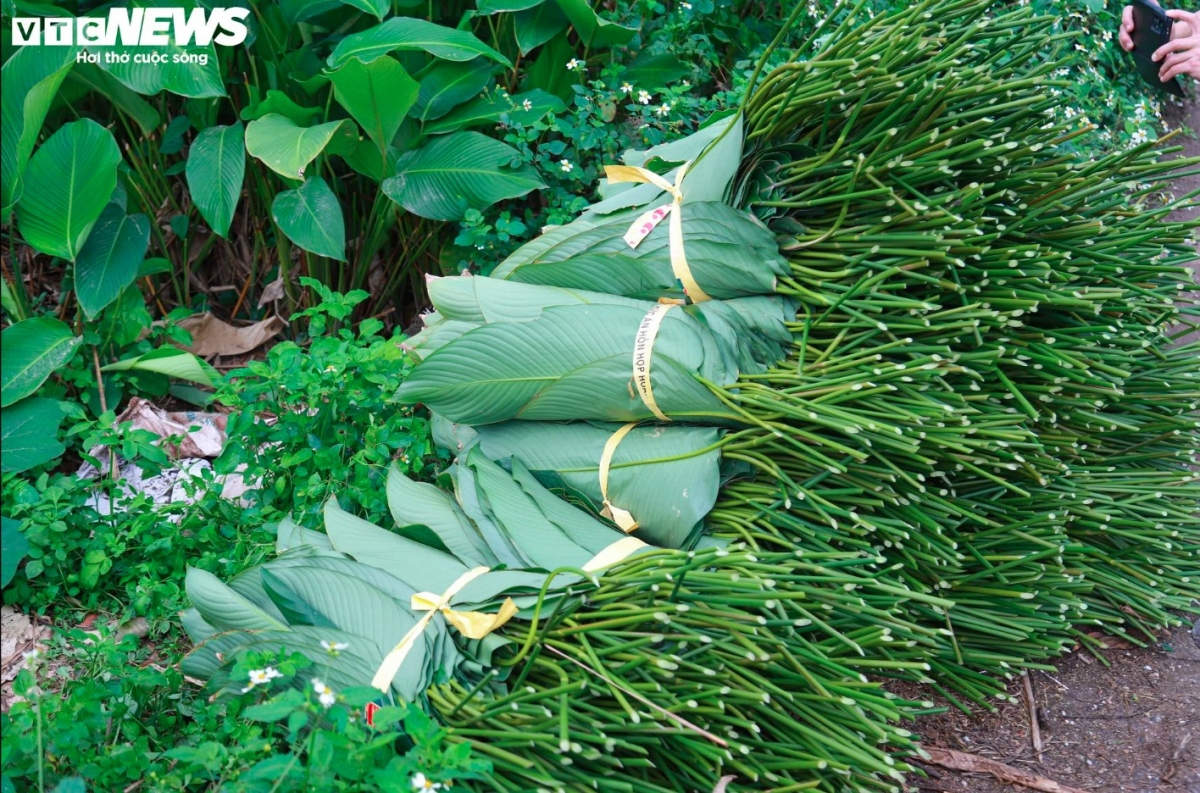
pixel 1181 29
pixel 1180 55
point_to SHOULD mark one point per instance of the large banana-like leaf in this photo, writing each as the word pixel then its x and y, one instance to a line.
pixel 67 185
pixel 729 253
pixel 109 260
pixel 311 217
pixel 667 477
pixel 285 147
pixel 216 166
pixel 29 82
pixel 572 362
pixel 454 173
pixel 419 503
pixel 30 351
pixel 409 33
pixel 377 94
pixel 223 607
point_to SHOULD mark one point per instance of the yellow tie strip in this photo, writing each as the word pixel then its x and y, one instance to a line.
pixel 643 349
pixel 621 517
pixel 644 224
pixel 472 624
pixel 614 553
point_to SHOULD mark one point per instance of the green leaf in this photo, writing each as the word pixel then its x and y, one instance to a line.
pixel 192 70
pixel 281 104
pixel 378 95
pixel 655 72
pixel 284 147
pixel 447 84
pixel 549 73
pixel 311 217
pixel 216 166
pixel 30 433
pixel 379 8
pixel 30 351
pixel 72 784
pixel 224 608
pixel 491 108
pixel 109 260
pixel 13 548
pixel 171 362
pixel 535 26
pixel 122 98
pixel 67 185
pixel 419 566
pixel 420 503
pixel 29 82
pixel 407 33
pixel 594 31
pixel 487 7
pixel 454 173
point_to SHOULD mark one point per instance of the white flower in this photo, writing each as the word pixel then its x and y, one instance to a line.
pixel 1139 137
pixel 566 166
pixel 664 109
pixel 420 782
pixel 333 648
pixel 575 64
pixel 32 655
pixel 261 677
pixel 528 105
pixel 626 88
pixel 644 97
pixel 324 693
pixel 686 5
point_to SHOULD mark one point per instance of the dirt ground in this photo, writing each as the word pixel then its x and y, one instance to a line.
pixel 1132 727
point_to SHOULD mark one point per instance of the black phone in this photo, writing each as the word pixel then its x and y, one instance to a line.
pixel 1151 30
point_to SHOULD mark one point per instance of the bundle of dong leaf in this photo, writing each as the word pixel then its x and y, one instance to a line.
pixel 564 673
pixel 904 391
pixel 981 388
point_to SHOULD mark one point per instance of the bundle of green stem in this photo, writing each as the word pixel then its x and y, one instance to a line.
pixel 656 670
pixel 983 349
pixel 982 391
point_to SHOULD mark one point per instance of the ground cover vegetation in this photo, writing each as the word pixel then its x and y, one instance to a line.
pixel 931 424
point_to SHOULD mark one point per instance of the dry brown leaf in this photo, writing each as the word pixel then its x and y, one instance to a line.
pixel 211 336
pixel 201 434
pixel 272 291
pixel 965 761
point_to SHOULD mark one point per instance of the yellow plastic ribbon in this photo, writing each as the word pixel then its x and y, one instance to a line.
pixel 643 350
pixel 472 624
pixel 621 517
pixel 644 224
pixel 614 553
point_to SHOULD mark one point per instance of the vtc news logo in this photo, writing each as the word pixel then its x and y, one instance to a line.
pixel 135 27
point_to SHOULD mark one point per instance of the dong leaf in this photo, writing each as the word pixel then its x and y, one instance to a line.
pixel 535 26
pixel 378 95
pixel 67 185
pixel 13 547
pixel 171 362
pixel 521 109
pixel 454 173
pixel 420 503
pixel 223 607
pixel 121 97
pixel 30 434
pixel 285 147
pixel 311 217
pixel 594 31
pixel 216 165
pixel 407 33
pixel 446 85
pixel 30 80
pixel 30 351
pixel 379 8
pixel 110 258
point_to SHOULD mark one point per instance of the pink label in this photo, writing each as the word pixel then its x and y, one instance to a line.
pixel 645 224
